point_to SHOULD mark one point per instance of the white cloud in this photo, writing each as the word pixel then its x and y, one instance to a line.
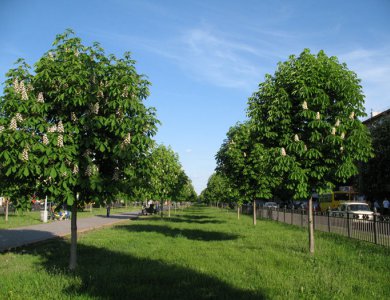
pixel 373 67
pixel 188 150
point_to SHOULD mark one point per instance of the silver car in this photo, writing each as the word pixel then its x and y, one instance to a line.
pixel 270 205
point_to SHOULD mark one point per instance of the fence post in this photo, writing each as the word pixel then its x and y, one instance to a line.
pixel 292 215
pixel 328 213
pixel 348 227
pixel 301 217
pixel 284 214
pixel 375 228
pixel 277 214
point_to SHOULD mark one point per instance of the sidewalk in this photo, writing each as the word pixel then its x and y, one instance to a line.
pixel 16 237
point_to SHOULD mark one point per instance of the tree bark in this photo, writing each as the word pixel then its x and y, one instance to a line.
pixel 6 208
pixel 254 212
pixel 311 227
pixel 73 243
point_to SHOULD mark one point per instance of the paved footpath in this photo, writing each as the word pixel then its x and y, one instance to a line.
pixel 20 236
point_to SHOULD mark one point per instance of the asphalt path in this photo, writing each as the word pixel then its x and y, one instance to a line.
pixel 21 236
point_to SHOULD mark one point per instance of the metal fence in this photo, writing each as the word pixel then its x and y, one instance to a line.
pixel 375 231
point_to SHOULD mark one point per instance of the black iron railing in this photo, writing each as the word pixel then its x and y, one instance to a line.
pixel 374 229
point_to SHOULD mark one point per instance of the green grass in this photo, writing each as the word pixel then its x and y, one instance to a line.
pixel 200 253
pixel 34 217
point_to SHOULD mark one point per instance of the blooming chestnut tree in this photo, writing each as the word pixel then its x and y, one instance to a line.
pixel 167 179
pixel 246 164
pixel 306 115
pixel 76 128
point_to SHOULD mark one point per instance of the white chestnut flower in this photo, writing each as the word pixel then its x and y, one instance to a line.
pixel 89 171
pixel 60 141
pixel 337 123
pixel 40 98
pixel 18 117
pixel 305 148
pixel 94 108
pixel 318 116
pixel 75 170
pixel 127 139
pixel 16 86
pixel 13 125
pixel 304 105
pixel 25 154
pixel 296 138
pixel 283 151
pixel 244 154
pixel 125 92
pixel 87 153
pixel 2 128
pixel 52 128
pixel 341 148
pixel 333 130
pixel 342 135
pixel 60 127
pixel 352 115
pixel 73 117
pixel 45 140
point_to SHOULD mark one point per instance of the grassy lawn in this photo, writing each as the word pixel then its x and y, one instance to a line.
pixel 199 253
pixel 34 217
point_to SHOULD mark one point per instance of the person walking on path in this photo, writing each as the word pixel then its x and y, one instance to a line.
pixel 386 205
pixel 108 210
pixel 376 206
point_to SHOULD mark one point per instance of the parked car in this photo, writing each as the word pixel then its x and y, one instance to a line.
pixel 286 204
pixel 355 210
pixel 270 205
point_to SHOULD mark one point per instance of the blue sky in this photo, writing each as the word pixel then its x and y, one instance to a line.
pixel 205 58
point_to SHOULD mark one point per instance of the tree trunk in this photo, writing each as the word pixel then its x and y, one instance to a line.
pixel 254 212
pixel 238 212
pixel 73 243
pixel 311 227
pixel 169 209
pixel 6 209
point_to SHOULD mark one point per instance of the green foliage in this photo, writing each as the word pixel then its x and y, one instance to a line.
pixel 307 115
pixel 246 163
pixel 229 259
pixel 375 174
pixel 76 126
pixel 166 178
pixel 219 190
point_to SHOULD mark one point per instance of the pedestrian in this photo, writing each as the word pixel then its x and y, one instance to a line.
pixel 386 205
pixel 108 210
pixel 376 206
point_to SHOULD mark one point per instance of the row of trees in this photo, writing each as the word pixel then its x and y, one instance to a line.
pixel 302 135
pixel 77 130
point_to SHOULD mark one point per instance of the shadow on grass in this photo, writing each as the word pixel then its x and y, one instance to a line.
pixel 187 220
pixel 192 234
pixel 105 274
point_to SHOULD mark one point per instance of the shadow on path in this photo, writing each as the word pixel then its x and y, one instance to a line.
pixel 192 234
pixel 10 239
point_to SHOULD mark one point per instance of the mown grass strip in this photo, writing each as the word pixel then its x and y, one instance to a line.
pixel 199 253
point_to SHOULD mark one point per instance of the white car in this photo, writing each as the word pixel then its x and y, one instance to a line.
pixel 270 205
pixel 354 210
